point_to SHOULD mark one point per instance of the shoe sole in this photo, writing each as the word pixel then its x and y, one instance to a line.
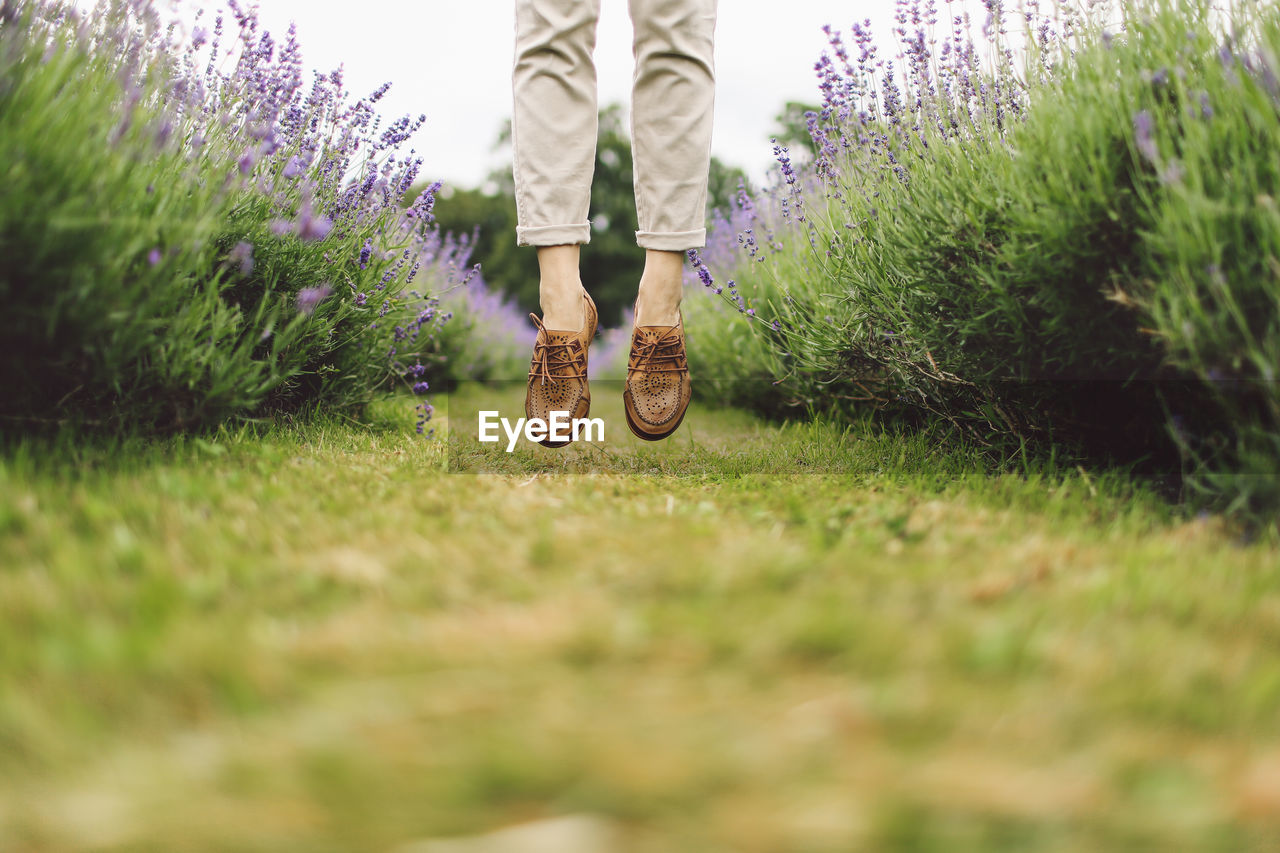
pixel 558 444
pixel 652 436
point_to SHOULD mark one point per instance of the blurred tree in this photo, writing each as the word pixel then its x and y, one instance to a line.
pixel 722 185
pixel 491 217
pixel 611 264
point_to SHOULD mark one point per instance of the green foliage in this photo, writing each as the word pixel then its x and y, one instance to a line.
pixel 490 217
pixel 612 263
pixel 486 337
pixel 147 276
pixel 723 181
pixel 732 364
pixel 1102 272
pixel 84 205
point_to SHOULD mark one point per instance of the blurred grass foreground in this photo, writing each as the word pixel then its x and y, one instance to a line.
pixel 258 594
pixel 315 638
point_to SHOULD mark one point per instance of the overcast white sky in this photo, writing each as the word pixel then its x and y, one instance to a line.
pixel 451 59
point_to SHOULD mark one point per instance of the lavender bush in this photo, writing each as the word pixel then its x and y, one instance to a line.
pixel 193 230
pixel 487 336
pixel 1077 249
pixel 736 364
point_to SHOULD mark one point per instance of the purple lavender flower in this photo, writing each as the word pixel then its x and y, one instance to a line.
pixel 293 168
pixel 1216 278
pixel 307 226
pixel 423 204
pixel 425 411
pixel 242 255
pixel 312 228
pixel 784 161
pixel 1270 80
pixel 361 300
pixel 421 388
pixel 1143 125
pixel 704 274
pixel 310 297
pixel 365 252
pixel 154 257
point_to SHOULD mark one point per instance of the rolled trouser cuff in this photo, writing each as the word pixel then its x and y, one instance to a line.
pixel 672 241
pixel 553 235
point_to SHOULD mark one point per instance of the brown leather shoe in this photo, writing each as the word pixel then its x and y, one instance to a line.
pixel 558 371
pixel 657 390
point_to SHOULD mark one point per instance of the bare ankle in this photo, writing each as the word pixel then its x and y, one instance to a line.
pixel 661 286
pixel 563 309
pixel 658 304
pixel 560 288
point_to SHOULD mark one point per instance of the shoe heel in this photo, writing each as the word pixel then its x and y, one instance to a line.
pixel 595 316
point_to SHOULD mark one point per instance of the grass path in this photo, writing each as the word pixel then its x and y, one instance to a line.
pixel 315 638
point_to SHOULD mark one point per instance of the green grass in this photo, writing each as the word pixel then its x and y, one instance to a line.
pixel 315 637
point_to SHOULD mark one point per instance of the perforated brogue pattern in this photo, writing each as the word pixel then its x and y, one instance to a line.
pixel 557 374
pixel 655 374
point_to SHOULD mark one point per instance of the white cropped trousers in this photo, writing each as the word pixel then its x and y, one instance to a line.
pixel 554 120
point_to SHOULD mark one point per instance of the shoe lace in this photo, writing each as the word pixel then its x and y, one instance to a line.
pixel 659 352
pixel 555 359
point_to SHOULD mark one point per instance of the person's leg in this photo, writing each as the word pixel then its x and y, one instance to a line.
pixel 661 286
pixel 671 116
pixel 560 287
pixel 553 130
